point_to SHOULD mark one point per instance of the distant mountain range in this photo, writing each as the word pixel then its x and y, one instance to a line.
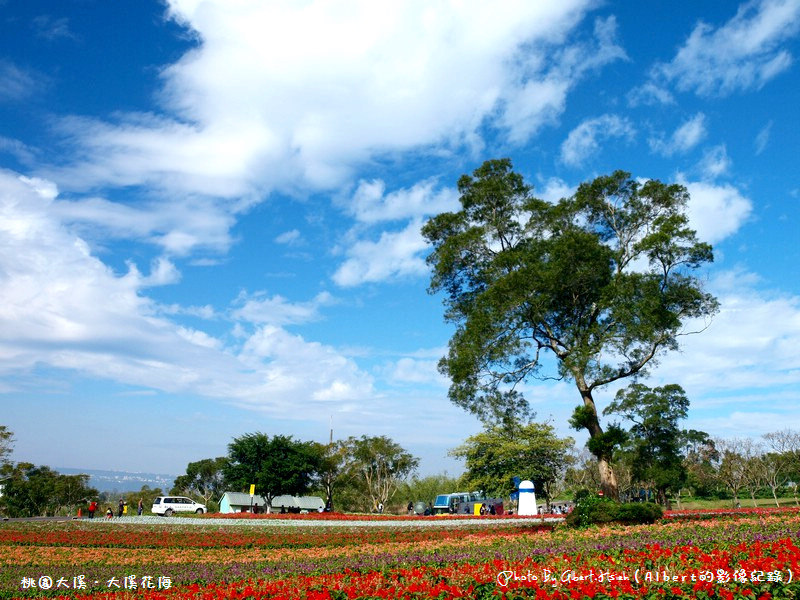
pixel 121 481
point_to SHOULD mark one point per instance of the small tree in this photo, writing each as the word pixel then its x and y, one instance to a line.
pixel 204 478
pixel 732 469
pixel 6 443
pixel 529 451
pixel 381 464
pixel 425 489
pixel 333 471
pixel 782 460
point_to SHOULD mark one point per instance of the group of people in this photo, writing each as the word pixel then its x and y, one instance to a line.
pixel 120 511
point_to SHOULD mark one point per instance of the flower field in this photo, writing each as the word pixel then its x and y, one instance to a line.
pixel 752 556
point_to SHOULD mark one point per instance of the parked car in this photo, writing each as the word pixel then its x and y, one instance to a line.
pixel 166 506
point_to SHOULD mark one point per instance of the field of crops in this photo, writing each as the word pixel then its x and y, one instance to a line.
pixel 753 555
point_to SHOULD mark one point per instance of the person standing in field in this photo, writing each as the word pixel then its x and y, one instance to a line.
pixel 140 508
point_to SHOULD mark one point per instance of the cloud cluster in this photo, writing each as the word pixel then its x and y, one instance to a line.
pixel 61 307
pixel 585 140
pixel 683 139
pixel 743 54
pixel 279 95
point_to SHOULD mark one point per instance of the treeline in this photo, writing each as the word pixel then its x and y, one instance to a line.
pixel 28 490
pixel 356 474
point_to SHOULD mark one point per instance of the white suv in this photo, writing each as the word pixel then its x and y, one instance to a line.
pixel 168 505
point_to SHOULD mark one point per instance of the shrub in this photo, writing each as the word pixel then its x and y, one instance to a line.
pixel 593 510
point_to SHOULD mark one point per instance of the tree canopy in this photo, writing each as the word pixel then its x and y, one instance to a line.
pixel 381 464
pixel 31 491
pixel 656 441
pixel 501 452
pixel 602 281
pixel 6 443
pixel 277 465
pixel 203 477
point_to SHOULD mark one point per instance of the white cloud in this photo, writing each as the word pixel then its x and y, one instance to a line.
pixel 743 54
pixel 555 189
pixel 287 360
pixel 649 94
pixel 276 310
pixel 749 346
pixel 396 254
pixel 683 139
pixel 716 211
pixel 290 238
pixel 17 149
pixel 179 227
pixel 60 307
pixel 542 98
pixel 15 83
pixel 287 96
pixel 762 139
pixel 370 203
pixel 409 370
pixel 715 162
pixel 584 141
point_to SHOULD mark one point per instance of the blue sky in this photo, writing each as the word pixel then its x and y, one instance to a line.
pixel 211 208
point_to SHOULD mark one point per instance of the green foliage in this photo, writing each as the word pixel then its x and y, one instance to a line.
pixel 6 443
pixel 500 452
pixel 277 465
pixel 204 478
pixel 633 513
pixel 522 277
pixel 333 472
pixel 591 509
pixel 146 494
pixel 380 464
pixel 656 440
pixel 426 489
pixel 32 491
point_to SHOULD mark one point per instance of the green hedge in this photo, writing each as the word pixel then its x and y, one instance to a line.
pixel 594 510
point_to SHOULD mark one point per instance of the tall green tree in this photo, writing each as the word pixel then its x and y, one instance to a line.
pixel 277 465
pixel 381 464
pixel 204 478
pixel 501 452
pixel 602 281
pixel 333 471
pixel 656 440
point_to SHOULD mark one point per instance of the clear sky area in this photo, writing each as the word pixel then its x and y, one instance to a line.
pixel 210 210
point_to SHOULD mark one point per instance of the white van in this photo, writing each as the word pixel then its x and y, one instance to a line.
pixel 166 506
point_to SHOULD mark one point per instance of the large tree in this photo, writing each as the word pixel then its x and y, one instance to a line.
pixel 501 452
pixel 381 464
pixel 277 465
pixel 601 280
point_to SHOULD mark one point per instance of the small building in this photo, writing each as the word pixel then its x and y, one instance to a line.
pixel 234 502
pixel 297 504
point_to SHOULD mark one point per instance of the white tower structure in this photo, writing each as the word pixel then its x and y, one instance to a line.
pixel 527 499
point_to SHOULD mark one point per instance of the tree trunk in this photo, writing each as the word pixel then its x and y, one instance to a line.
pixel 608 480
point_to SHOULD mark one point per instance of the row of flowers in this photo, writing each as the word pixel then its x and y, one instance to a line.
pixel 78 534
pixel 754 556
